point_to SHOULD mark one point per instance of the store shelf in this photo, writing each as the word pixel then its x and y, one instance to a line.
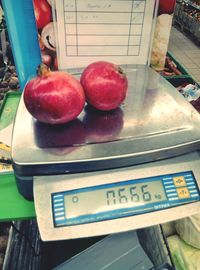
pixel 187 18
pixel 192 4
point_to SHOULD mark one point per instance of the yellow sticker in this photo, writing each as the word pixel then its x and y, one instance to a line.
pixel 179 181
pixel 183 193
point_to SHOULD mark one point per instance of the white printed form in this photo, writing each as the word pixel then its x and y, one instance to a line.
pixel 117 31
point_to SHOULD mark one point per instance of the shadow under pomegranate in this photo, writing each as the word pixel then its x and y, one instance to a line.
pixel 53 136
pixel 95 127
pixel 102 126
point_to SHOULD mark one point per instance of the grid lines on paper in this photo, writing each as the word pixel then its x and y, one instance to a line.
pixel 104 28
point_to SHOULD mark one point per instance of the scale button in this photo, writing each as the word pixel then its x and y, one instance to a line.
pixel 183 193
pixel 179 181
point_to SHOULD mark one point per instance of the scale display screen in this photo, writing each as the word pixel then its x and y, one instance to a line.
pixel 111 198
pixel 122 199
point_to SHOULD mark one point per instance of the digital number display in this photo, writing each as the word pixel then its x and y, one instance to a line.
pixel 112 197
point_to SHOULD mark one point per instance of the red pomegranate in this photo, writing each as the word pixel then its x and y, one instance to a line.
pixel 54 97
pixel 166 6
pixel 105 85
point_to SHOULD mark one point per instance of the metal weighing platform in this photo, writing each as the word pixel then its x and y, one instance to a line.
pixel 134 167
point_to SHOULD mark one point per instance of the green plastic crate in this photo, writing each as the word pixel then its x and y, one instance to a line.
pixel 180 67
pixel 13 206
pixel 8 108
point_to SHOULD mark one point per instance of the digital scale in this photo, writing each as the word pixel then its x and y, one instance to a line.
pixel 111 172
pixel 135 175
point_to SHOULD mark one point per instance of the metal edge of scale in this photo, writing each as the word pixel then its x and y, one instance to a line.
pixel 163 125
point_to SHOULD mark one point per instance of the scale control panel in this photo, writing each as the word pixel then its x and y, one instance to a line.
pixel 123 199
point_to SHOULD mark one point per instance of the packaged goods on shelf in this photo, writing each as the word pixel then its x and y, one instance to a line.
pixel 191 92
pixel 187 18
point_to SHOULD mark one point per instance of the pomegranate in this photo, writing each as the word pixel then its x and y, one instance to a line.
pixel 105 85
pixel 42 13
pixel 54 97
pixel 166 7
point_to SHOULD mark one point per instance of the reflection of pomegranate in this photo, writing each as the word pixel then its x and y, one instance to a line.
pixel 102 126
pixel 105 85
pixel 166 6
pixel 70 134
pixel 42 13
pixel 54 97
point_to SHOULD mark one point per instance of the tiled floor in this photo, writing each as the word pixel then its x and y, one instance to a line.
pixel 186 52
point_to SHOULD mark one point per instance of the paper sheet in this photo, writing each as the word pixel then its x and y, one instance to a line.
pixel 117 31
